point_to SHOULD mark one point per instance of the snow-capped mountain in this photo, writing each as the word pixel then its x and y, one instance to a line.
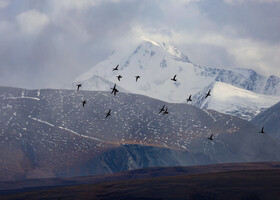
pixel 157 63
pixel 48 133
pixel 229 99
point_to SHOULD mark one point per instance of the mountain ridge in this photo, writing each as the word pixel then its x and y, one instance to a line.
pixel 228 99
pixel 157 63
pixel 48 133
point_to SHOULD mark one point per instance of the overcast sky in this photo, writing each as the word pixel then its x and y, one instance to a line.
pixel 48 43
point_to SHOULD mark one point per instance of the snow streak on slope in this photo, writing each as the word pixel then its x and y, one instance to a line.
pixel 229 99
pixel 57 136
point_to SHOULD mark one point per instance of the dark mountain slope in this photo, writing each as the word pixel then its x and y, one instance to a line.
pixel 270 119
pixel 47 133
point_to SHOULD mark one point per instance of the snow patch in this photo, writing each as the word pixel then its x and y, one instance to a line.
pixel 85 136
pixel 228 99
pixel 23 97
pixel 41 121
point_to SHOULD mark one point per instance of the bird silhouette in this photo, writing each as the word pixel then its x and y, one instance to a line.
pixel 190 98
pixel 78 86
pixel 208 94
pixel 137 77
pixel 262 131
pixel 114 90
pixel 162 109
pixel 174 78
pixel 119 77
pixel 108 113
pixel 211 137
pixel 166 111
pixel 84 102
pixel 116 68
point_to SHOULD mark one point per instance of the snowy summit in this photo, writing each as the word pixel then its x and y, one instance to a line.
pixel 156 63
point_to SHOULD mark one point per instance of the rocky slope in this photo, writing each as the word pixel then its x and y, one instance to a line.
pixel 47 133
pixel 270 120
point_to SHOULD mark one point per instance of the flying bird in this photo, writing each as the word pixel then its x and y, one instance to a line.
pixel 166 111
pixel 84 102
pixel 116 68
pixel 114 90
pixel 162 109
pixel 262 131
pixel 211 137
pixel 137 77
pixel 108 113
pixel 78 86
pixel 208 94
pixel 174 78
pixel 190 98
pixel 119 77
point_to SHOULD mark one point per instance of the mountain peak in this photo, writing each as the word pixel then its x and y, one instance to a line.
pixel 173 51
pixel 156 63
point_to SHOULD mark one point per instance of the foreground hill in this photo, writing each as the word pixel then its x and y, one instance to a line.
pixel 253 184
pixel 10 187
pixel 47 133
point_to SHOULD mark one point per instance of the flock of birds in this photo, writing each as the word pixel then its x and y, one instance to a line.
pixel 163 110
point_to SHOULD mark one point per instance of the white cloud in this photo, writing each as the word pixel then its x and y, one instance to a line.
pixel 4 3
pixel 5 27
pixel 255 1
pixel 261 56
pixel 246 52
pixel 80 4
pixel 76 34
pixel 32 21
pixel 184 1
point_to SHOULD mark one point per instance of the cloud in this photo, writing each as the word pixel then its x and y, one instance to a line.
pixel 32 21
pixel 250 19
pixel 80 4
pixel 252 1
pixel 5 28
pixel 4 3
pixel 216 49
pixel 49 43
